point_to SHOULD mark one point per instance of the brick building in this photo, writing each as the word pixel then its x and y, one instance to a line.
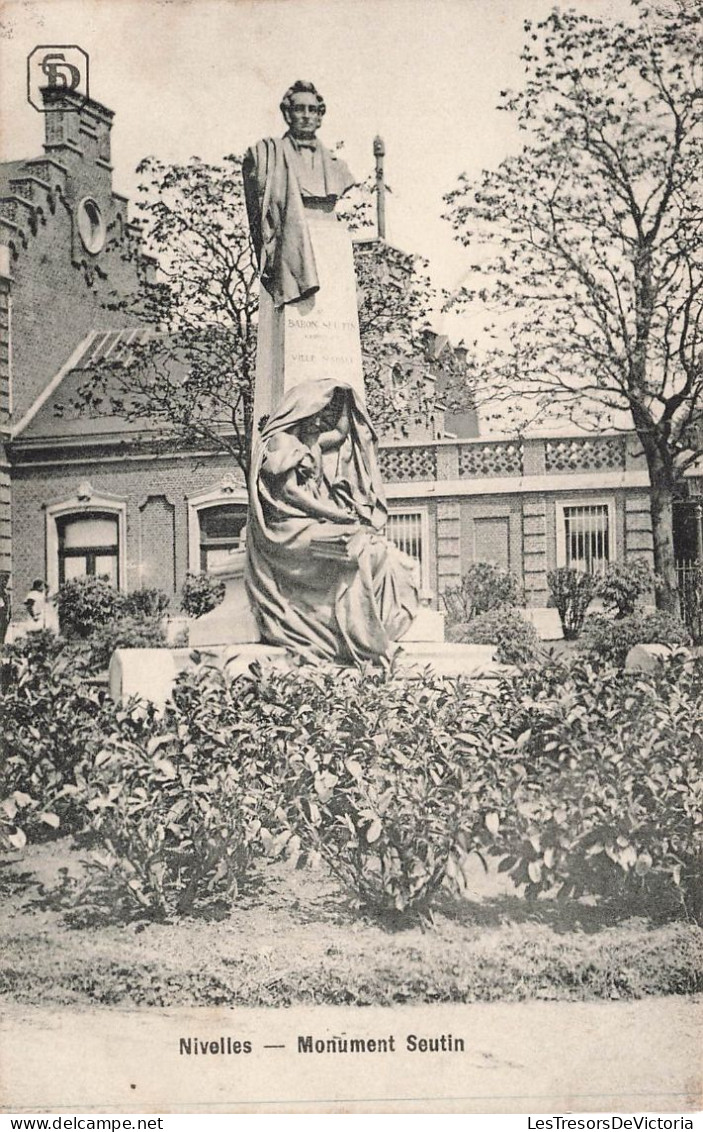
pixel 97 495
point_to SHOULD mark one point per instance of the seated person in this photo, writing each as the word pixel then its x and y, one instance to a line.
pixel 322 578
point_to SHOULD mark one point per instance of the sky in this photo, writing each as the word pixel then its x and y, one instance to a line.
pixel 205 78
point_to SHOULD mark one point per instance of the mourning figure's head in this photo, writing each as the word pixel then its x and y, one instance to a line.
pixel 303 109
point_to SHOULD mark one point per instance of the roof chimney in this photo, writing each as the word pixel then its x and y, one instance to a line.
pixel 76 124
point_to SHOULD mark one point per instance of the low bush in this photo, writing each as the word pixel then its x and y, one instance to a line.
pixel 376 776
pixel 515 639
pixel 201 594
pixel 174 833
pixel 381 788
pixel 86 603
pixel 135 632
pixel 624 584
pixel 144 603
pixel 50 718
pixel 584 780
pixel 483 587
pixel 611 800
pixel 572 592
pixel 609 640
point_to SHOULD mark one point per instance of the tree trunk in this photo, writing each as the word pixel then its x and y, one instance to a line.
pixel 661 494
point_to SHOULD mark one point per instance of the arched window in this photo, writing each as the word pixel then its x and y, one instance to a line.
pixel 217 519
pixel 88 544
pixel 221 532
pixel 86 535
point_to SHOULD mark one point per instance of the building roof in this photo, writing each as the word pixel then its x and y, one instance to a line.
pixel 54 416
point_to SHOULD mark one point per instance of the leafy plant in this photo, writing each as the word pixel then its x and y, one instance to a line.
pixel 20 814
pixel 373 776
pixel 51 719
pixel 483 587
pixel 611 640
pixel 135 632
pixel 515 639
pixel 611 802
pixel 623 585
pixel 572 592
pixel 85 603
pixel 201 594
pixel 144 603
pixel 175 808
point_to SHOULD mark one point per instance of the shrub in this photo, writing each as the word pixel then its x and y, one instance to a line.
pixel 85 603
pixel 610 640
pixel 201 594
pixel 583 783
pixel 611 800
pixel 136 632
pixel 175 808
pixel 144 603
pixel 377 778
pixel 572 592
pixel 624 584
pixel 515 639
pixel 51 719
pixel 483 587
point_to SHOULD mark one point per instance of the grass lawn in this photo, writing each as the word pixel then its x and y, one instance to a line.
pixel 295 938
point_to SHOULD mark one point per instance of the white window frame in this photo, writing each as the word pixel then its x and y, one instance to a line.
pixel 590 501
pixel 80 505
pixel 224 492
pixel 423 512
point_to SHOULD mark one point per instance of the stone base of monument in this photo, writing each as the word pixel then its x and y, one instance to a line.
pixel 546 621
pixel 232 621
pixel 427 626
pixel 150 674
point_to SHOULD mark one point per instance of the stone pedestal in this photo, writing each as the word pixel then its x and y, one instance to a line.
pixel 232 622
pixel 151 674
pixel 546 621
pixel 316 338
pixel 427 626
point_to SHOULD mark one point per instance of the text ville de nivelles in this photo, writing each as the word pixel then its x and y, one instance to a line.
pixel 339 1043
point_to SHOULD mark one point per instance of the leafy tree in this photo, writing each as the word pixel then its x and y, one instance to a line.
pixel 194 373
pixel 592 237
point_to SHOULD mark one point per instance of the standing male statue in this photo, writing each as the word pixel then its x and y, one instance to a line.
pixel 308 317
pixel 285 180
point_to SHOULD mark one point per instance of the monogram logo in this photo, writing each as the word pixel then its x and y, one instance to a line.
pixel 53 70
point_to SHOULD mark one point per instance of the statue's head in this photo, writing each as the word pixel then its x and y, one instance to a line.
pixel 303 109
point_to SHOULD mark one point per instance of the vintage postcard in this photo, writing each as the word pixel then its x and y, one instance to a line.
pixel 351 544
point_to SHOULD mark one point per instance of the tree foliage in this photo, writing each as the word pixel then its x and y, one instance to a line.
pixel 591 238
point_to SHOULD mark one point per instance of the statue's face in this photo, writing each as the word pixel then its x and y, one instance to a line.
pixel 303 115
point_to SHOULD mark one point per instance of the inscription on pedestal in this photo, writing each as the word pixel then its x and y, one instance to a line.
pixel 321 333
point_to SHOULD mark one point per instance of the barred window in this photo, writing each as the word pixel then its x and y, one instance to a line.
pixel 408 531
pixel 588 537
